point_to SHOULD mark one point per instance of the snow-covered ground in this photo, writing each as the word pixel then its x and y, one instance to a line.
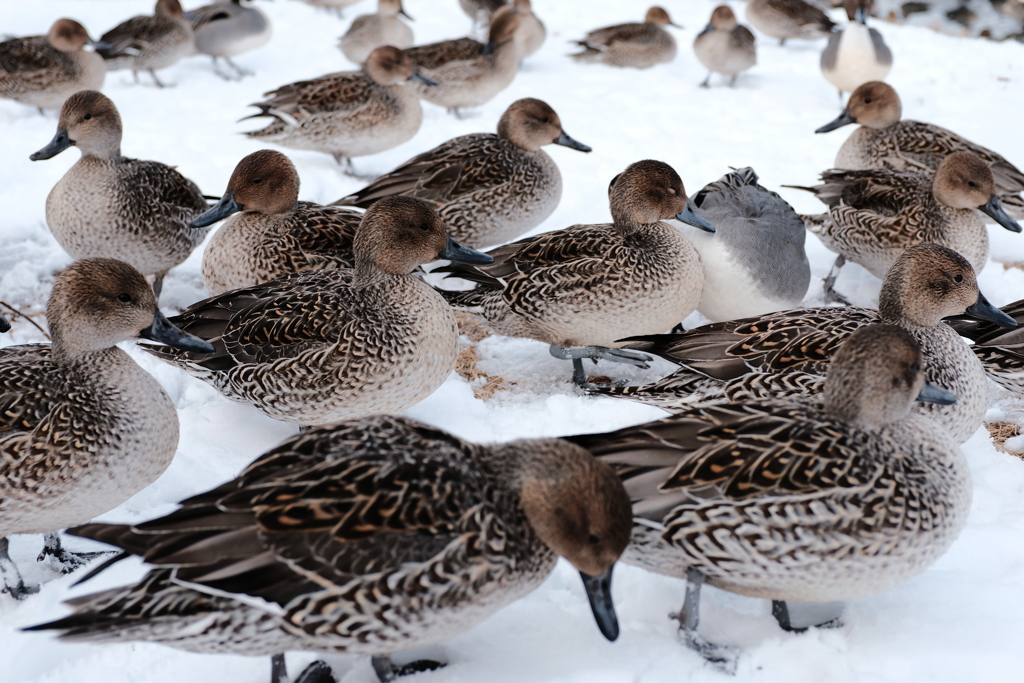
pixel 962 620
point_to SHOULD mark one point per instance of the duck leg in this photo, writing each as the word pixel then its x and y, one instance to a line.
pixel 387 671
pixel 577 353
pixel 782 41
pixel 242 73
pixel 159 83
pixel 317 672
pixel 13 583
pixel 831 295
pixel 158 283
pixel 723 658
pixel 732 81
pixel 67 560
pixel 707 81
pixel 824 615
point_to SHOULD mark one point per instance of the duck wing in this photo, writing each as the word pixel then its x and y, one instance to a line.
pixel 30 387
pixel 132 35
pixel 207 14
pixel 434 55
pixel 316 237
pixel 25 55
pixel 935 144
pixel 635 32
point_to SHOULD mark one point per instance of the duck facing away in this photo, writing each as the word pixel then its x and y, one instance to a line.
pixel 110 205
pixel 370 31
pixel 489 188
pixel 785 19
pixel 633 45
pixel 269 232
pixel 583 288
pixel 228 28
pixel 82 428
pixel 855 54
pixel 826 499
pixel 788 353
pixel 335 344
pixel 425 535
pixel 724 46
pixel 149 42
pixel 755 262
pixel 43 71
pixel 349 113
pixel 532 32
pixel 885 141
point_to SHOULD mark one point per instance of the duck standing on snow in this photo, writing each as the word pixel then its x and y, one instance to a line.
pixel 269 232
pixel 349 113
pixel 109 205
pixel 228 28
pixel 488 188
pixel 370 31
pixel 855 54
pixel 583 288
pixel 784 19
pixel 43 71
pixel 149 42
pixel 366 537
pixel 83 427
pixel 633 45
pixel 724 46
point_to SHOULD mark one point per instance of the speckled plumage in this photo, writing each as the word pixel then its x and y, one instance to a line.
pixel 1001 351
pixel 634 45
pixel 784 19
pixel 149 42
pixel 35 72
pixel 369 31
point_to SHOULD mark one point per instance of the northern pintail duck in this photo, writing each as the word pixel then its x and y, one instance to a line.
pixel 488 188
pixel 330 345
pixel 270 233
pixel 755 261
pixel 470 73
pixel 367 537
pixel 724 46
pixel 633 45
pixel 856 53
pixel 784 19
pixel 827 499
pixel 884 141
pixel 110 205
pixel 149 42
pixel 228 28
pixel 370 31
pixel 532 32
pixel 481 11
pixel 1000 351
pixel 875 214
pixel 583 288
pixel 349 113
pixel 774 354
pixel 83 427
pixel 43 71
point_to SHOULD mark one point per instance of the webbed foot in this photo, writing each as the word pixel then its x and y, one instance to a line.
pixel 387 671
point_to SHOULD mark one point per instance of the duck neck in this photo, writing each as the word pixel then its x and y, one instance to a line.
pixel 896 308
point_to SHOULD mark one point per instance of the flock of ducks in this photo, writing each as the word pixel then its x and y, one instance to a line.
pixel 811 455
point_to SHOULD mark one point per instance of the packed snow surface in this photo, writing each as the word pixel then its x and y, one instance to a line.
pixel 961 620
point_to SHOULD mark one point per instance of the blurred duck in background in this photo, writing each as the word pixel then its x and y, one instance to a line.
pixel 370 31
pixel 633 45
pixel 228 28
pixel 855 54
pixel 725 47
pixel 149 42
pixel 785 19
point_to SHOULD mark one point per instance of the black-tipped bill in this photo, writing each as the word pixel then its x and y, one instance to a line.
pixel 405 14
pixel 58 144
pixel 933 394
pixel 4 325
pixel 566 141
pixel 983 310
pixel 99 45
pixel 844 120
pixel 994 208
pixel 688 216
pixel 489 47
pixel 164 331
pixel 599 592
pixel 221 210
pixel 456 252
pixel 417 76
pixel 861 15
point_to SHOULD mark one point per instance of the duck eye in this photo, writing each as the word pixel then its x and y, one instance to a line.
pixel 546 119
pixel 915 367
pixel 125 298
pixel 593 539
pixel 867 100
pixel 972 183
pixel 257 181
pixel 87 117
pixel 959 278
pixel 424 227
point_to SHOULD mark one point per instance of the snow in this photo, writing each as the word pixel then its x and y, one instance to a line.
pixel 962 620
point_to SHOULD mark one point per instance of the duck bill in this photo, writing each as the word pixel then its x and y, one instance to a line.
pixel 221 210
pixel 489 47
pixel 565 141
pixel 983 310
pixel 844 120
pixel 4 325
pixel 688 216
pixel 599 592
pixel 417 76
pixel 98 45
pixel 933 394
pixel 861 15
pixel 456 252
pixel 58 144
pixel 994 209
pixel 401 10
pixel 164 331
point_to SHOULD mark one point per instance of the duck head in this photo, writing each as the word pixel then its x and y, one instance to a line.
pixel 659 16
pixel 650 191
pixel 529 124
pixel 67 35
pixel 264 182
pixel 88 120
pixel 387 65
pixel 504 24
pixel 964 181
pixel 874 104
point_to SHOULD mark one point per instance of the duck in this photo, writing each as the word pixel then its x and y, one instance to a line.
pixel 519 190
pixel 787 353
pixel 228 28
pixel 724 46
pixel 369 31
pixel 532 32
pixel 633 45
pixel 855 54
pixel 481 11
pixel 335 344
pixel 349 113
pixel 785 19
pixel 269 233
pixel 427 535
pixel 149 42
pixel 43 71
pixel 583 288
pixel 110 205
pixel 874 215
pixel 1000 351
pixel 829 498
pixel 883 140
pixel 83 426
pixel 754 262
pixel 470 73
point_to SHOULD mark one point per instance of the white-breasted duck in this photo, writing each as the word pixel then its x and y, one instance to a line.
pixel 228 28
pixel 856 53
pixel 724 46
